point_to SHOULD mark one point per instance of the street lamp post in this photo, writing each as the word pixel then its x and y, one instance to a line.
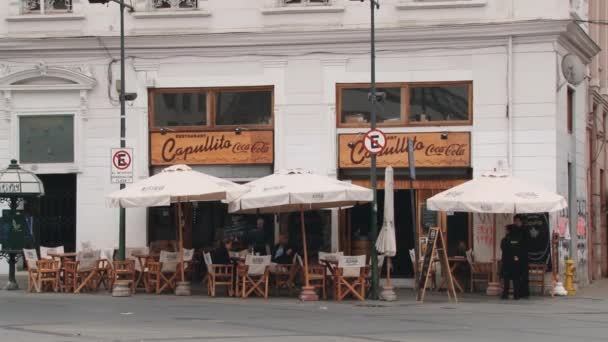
pixel 123 98
pixel 373 5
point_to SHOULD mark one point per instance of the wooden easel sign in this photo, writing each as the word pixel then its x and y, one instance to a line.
pixel 435 251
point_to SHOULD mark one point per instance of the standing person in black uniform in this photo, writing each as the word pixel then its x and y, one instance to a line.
pixel 512 256
pixel 524 286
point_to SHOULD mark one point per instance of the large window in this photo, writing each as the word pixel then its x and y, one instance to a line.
pixel 401 104
pixel 243 107
pixel 209 108
pixel 46 139
pixel 46 6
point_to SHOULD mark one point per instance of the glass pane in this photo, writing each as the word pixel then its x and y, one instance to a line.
pixel 61 5
pixel 46 139
pixel 439 103
pixel 244 107
pixel 356 107
pixel 180 109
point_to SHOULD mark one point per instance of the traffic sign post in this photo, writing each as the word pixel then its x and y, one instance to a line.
pixel 122 165
pixel 374 141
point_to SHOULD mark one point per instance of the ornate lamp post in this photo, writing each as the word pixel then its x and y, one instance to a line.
pixel 16 185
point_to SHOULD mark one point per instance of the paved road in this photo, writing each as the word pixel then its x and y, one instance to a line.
pixel 99 317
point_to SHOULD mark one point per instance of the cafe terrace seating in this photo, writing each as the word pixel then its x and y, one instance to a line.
pixel 481 272
pixel 255 276
pixel 350 277
pixel 218 275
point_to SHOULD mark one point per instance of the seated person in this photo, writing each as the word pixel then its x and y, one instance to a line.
pixel 282 253
pixel 221 255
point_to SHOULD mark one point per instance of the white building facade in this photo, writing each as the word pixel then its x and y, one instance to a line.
pixel 488 70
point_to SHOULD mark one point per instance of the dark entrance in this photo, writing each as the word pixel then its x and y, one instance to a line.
pixel 56 212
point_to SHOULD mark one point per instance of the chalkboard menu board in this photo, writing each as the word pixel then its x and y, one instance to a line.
pixel 428 218
pixel 428 256
pixel 539 239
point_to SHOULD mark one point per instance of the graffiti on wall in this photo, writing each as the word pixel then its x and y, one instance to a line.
pixel 581 233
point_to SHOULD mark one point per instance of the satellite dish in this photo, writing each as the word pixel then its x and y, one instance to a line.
pixel 573 69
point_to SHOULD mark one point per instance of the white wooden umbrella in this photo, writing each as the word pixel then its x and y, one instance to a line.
pixel 298 190
pixel 175 184
pixel 497 193
pixel 387 243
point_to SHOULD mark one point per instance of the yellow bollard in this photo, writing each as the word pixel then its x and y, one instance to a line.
pixel 570 268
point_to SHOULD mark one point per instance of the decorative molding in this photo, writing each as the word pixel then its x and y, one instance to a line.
pixel 335 61
pixel 84 105
pixel 7 104
pixel 80 78
pixel 274 63
pixel 302 10
pixel 576 40
pixel 148 71
pixel 45 17
pixel 4 70
pixel 195 13
pixel 439 4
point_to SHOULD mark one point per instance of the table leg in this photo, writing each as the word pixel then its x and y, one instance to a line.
pixel 12 282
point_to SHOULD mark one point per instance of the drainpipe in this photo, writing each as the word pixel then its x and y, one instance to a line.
pixel 510 103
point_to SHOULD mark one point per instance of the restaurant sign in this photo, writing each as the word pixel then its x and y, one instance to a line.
pixel 434 149
pixel 212 148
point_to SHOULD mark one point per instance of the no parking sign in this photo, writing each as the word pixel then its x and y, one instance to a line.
pixel 374 141
pixel 122 165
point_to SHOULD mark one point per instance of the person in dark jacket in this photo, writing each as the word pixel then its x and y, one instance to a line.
pixel 282 252
pixel 524 286
pixel 513 253
pixel 221 255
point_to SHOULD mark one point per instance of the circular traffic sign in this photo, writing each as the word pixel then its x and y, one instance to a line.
pixel 374 141
pixel 121 159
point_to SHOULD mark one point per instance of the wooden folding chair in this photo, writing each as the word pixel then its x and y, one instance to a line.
pixel 481 272
pixel 255 279
pixel 44 251
pixel 218 275
pixel 47 274
pixel 284 276
pixel 350 277
pixel 140 270
pixel 104 268
pixel 162 274
pixel 32 268
pixel 536 276
pixel 87 272
pixel 123 271
pixel 317 276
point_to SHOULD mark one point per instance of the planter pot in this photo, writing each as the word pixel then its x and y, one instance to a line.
pixel 182 288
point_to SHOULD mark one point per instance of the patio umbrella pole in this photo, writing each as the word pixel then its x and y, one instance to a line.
pixel 494 287
pixel 308 293
pixel 182 287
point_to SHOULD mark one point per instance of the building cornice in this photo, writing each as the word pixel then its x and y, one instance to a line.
pixel 286 43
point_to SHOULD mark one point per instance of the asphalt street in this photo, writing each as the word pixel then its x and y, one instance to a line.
pixel 100 317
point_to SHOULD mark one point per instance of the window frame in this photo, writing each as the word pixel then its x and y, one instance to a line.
pixel 211 109
pixel 306 3
pixel 44 10
pixel 570 103
pixel 18 136
pixel 405 104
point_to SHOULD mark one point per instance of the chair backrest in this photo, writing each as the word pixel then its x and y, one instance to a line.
pixel 257 264
pixel 30 258
pixel 169 261
pixel 207 258
pixel 299 260
pixel 108 254
pixel 470 257
pixel 351 265
pixel 130 253
pixel 46 265
pixel 330 256
pixel 88 259
pixel 44 251
pixel 188 254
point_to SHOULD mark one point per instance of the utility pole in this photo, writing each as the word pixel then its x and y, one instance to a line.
pixel 373 5
pixel 123 118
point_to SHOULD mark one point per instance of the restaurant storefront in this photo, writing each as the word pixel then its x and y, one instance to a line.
pixel 437 117
pixel 229 133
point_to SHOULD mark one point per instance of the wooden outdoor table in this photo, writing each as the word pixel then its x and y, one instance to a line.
pixel 454 263
pixel 142 259
pixel 63 256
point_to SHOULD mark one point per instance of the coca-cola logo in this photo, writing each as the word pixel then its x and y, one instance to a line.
pixel 206 143
pixel 397 145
